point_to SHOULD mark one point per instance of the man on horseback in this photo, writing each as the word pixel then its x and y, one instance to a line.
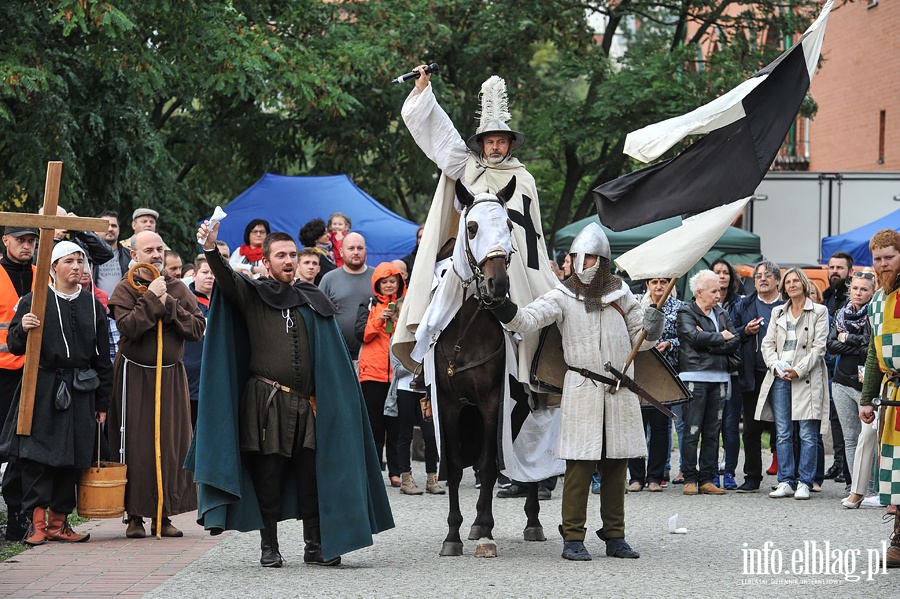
pixel 485 163
pixel 599 320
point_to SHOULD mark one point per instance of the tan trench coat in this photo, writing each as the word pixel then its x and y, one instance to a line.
pixel 809 391
pixel 591 417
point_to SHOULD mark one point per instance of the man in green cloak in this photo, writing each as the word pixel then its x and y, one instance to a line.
pixel 282 430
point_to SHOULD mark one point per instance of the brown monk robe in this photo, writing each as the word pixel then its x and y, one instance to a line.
pixel 136 316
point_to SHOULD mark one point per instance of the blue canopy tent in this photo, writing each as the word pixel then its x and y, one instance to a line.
pixel 856 241
pixel 290 202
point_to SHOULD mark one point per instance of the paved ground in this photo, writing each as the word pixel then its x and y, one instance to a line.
pixel 707 561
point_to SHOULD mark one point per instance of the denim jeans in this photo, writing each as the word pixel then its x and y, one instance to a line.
pixel 702 418
pixel 651 470
pixel 731 426
pixel 784 438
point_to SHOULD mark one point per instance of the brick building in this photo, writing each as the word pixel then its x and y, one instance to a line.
pixel 857 127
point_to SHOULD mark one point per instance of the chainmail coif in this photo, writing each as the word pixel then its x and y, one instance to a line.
pixel 603 283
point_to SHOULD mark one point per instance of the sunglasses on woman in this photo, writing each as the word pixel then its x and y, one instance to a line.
pixel 861 274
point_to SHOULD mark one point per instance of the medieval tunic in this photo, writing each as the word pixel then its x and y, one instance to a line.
pixel 883 379
pixel 592 419
pixel 279 351
pixel 133 397
pixel 75 336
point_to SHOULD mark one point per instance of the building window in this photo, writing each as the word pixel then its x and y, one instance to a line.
pixel 881 119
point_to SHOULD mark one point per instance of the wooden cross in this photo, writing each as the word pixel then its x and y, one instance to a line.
pixel 46 223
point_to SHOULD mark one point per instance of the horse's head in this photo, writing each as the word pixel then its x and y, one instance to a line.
pixel 487 239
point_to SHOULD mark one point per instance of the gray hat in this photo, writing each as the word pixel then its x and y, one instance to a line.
pixel 145 212
pixel 21 231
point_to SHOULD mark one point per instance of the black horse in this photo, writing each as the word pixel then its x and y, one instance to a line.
pixel 470 370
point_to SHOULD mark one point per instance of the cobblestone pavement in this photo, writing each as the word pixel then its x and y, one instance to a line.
pixel 711 560
pixel 708 561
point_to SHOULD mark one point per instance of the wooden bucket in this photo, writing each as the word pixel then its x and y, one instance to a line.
pixel 101 490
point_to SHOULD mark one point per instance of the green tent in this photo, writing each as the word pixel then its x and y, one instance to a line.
pixel 736 245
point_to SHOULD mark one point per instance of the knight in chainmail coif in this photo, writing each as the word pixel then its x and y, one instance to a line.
pixel 600 320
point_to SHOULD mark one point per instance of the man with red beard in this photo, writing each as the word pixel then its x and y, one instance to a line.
pixel 882 378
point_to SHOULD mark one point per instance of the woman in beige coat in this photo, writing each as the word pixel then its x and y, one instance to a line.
pixel 794 352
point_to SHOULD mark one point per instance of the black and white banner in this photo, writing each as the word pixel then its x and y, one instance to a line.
pixel 744 130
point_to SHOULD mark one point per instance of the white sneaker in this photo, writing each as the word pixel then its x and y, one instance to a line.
pixel 872 501
pixel 784 490
pixel 802 491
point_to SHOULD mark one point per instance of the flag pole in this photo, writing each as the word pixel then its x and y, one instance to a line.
pixel 643 334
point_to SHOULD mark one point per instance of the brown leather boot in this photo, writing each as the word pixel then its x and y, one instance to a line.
pixel 892 555
pixel 408 484
pixel 58 529
pixel 135 528
pixel 168 529
pixel 432 485
pixel 37 528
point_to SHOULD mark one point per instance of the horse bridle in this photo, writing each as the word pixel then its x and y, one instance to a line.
pixel 477 275
pixel 475 266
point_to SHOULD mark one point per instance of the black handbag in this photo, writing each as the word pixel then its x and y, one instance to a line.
pixel 734 362
pixel 86 380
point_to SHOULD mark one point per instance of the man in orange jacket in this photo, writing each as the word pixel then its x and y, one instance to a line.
pixel 16 280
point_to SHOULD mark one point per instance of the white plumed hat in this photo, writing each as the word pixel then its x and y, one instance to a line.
pixel 494 114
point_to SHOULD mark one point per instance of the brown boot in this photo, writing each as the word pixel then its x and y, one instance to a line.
pixel 432 485
pixel 408 484
pixel 710 489
pixel 135 528
pixel 892 555
pixel 58 529
pixel 37 528
pixel 168 529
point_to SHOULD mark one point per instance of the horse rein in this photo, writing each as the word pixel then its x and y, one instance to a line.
pixel 452 368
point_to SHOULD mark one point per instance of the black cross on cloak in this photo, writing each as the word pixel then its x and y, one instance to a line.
pixel 531 234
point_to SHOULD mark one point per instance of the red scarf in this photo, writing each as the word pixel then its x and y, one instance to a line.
pixel 251 254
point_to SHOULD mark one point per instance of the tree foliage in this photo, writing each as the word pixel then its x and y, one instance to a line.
pixel 182 104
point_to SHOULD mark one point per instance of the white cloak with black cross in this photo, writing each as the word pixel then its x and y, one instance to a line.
pixel 529 271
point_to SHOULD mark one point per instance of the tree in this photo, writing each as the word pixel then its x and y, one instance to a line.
pixel 181 104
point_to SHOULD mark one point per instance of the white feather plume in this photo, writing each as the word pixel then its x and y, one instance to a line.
pixel 494 101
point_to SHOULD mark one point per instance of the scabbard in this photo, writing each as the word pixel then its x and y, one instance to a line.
pixel 632 386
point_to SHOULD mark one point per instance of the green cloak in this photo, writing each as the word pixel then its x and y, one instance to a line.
pixel 353 503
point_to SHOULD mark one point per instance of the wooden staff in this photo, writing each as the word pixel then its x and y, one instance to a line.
pixel 157 398
pixel 643 335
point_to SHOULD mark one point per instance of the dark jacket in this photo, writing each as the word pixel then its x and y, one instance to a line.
pixel 704 348
pixel 97 250
pixel 742 313
pixel 834 299
pixel 850 354
pixel 193 350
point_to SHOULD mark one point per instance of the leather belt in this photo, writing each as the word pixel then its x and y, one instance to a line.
pixel 588 374
pixel 276 386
